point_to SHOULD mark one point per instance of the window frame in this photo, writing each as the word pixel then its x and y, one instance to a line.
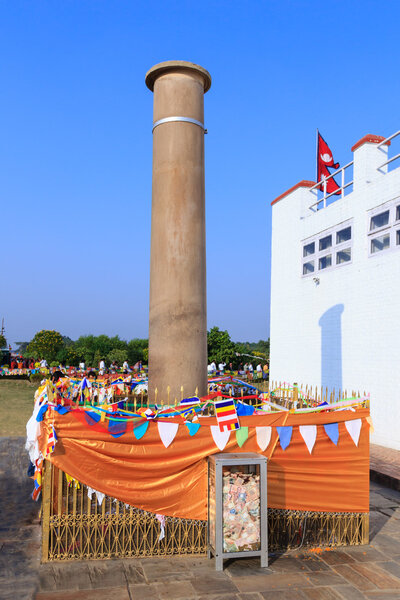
pixel 331 250
pixel 391 228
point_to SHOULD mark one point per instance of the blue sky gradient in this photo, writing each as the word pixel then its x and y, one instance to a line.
pixel 76 144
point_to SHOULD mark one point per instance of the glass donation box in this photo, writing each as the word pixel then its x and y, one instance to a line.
pixel 237 507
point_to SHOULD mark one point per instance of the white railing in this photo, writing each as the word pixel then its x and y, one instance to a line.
pixel 390 160
pixel 314 189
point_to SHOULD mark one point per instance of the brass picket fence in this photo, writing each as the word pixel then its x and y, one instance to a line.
pixel 76 526
pixel 281 393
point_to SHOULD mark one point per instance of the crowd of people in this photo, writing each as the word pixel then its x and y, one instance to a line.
pixel 246 369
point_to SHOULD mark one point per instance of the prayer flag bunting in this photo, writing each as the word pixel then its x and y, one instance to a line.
pixel 192 400
pixel 117 428
pixel 243 409
pixel 140 430
pixel 92 417
pixel 263 435
pixel 41 412
pixel 241 436
pixel 354 429
pixel 225 413
pixel 51 442
pixel 193 427
pixel 332 431
pixel 167 432
pixel 285 435
pixel 309 435
pixel 220 438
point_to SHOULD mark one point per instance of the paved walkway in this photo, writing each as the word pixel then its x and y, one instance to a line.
pixel 385 466
pixel 352 573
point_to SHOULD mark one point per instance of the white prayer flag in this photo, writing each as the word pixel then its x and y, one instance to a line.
pixel 309 435
pixel 167 432
pixel 221 438
pixel 354 429
pixel 263 437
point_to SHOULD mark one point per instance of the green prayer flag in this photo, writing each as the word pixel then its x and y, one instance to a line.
pixel 241 435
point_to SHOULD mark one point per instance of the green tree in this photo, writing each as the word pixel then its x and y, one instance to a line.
pixel 220 347
pixel 45 344
pixel 3 341
pixel 117 355
pixel 21 348
pixel 136 348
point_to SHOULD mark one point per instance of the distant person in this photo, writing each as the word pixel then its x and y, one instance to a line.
pixel 126 368
pixel 82 366
pixel 102 367
pixel 221 367
pixel 213 368
pixel 43 363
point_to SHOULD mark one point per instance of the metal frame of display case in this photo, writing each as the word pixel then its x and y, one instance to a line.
pixel 218 461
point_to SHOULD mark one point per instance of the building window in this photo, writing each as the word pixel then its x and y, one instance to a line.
pixel 344 235
pixel 383 228
pixel 379 220
pixel 343 256
pixel 309 249
pixel 325 262
pixel 308 267
pixel 325 242
pixel 328 250
pixel 381 242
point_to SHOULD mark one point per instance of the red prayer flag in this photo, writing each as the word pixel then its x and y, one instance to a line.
pixel 325 160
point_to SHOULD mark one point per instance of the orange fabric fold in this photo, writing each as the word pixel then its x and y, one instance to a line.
pixel 173 481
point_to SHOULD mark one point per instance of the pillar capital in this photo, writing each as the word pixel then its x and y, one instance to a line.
pixel 177 66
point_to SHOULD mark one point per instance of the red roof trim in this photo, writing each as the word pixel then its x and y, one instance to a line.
pixel 369 139
pixel 304 183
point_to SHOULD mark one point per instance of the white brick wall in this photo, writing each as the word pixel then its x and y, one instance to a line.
pixel 356 343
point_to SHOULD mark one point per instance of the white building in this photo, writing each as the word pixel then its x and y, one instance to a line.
pixel 335 285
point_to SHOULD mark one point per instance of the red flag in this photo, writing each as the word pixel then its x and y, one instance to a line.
pixel 325 160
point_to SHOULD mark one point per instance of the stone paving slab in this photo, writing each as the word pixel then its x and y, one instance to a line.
pixel 351 573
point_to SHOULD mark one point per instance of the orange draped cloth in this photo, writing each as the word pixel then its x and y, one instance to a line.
pixel 173 481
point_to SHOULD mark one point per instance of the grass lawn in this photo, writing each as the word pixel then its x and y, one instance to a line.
pixel 16 405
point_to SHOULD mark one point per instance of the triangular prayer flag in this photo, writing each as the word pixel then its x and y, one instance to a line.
pixel 241 435
pixel 92 417
pixel 263 435
pixel 332 431
pixel 167 432
pixel 220 437
pixel 309 435
pixel 140 430
pixel 193 427
pixel 116 428
pixel 354 429
pixel 285 435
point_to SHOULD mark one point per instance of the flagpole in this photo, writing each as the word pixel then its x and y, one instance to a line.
pixel 316 156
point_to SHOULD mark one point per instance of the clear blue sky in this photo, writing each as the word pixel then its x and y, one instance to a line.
pixel 76 144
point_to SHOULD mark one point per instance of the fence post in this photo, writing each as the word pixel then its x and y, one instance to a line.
pixel 46 495
pixel 295 395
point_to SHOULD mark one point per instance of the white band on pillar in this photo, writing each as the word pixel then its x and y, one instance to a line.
pixel 184 119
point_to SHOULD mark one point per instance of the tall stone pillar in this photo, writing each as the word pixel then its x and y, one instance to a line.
pixel 178 317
